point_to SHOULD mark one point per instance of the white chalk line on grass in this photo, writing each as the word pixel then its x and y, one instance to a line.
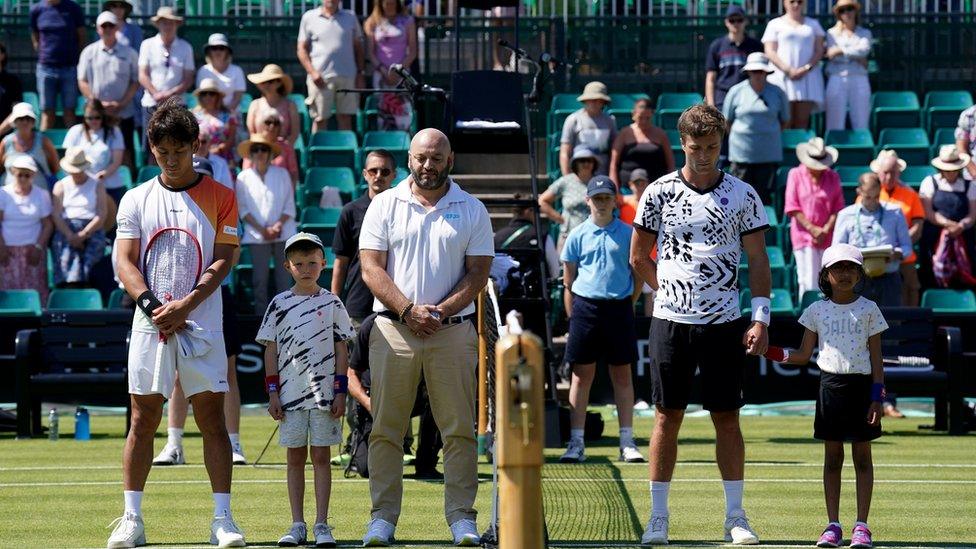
pixel 597 544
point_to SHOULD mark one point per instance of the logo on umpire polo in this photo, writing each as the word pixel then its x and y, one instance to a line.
pixel 452 216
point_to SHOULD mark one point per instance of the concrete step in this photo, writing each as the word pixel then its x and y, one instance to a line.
pixel 507 184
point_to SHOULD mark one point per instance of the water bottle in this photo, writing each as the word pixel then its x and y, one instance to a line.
pixel 52 424
pixel 82 426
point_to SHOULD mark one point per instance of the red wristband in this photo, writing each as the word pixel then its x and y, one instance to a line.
pixel 776 354
pixel 271 384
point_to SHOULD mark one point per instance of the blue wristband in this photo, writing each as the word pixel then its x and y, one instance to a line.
pixel 878 392
pixel 340 384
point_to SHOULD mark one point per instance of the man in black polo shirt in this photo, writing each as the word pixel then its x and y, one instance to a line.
pixel 726 57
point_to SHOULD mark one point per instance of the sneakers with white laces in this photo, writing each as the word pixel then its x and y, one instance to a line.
pixel 379 533
pixel 738 531
pixel 630 454
pixel 296 535
pixel 224 532
pixel 323 535
pixel 465 533
pixel 237 454
pixel 129 532
pixel 575 452
pixel 170 455
pixel 656 532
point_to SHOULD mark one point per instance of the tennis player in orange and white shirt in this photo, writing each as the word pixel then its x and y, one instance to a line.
pixel 178 197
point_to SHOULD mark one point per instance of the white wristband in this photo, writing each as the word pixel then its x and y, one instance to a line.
pixel 760 310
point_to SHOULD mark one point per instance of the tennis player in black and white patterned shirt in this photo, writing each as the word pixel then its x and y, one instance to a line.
pixel 700 219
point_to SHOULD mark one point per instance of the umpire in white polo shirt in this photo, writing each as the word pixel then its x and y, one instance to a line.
pixel 425 248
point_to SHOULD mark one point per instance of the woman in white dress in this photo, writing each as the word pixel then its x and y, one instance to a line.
pixel 848 88
pixel 794 44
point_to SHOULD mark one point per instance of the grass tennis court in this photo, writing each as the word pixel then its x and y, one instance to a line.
pixel 65 494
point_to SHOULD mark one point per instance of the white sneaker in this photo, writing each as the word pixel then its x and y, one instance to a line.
pixel 129 532
pixel 465 533
pixel 379 533
pixel 630 454
pixel 170 455
pixel 295 537
pixel 575 452
pixel 323 535
pixel 237 454
pixel 656 532
pixel 738 531
pixel 224 532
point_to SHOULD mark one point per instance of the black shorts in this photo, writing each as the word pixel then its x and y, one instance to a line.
pixel 842 408
pixel 232 339
pixel 602 328
pixel 678 350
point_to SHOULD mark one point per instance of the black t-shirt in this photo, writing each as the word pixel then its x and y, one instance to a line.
pixel 359 358
pixel 355 295
pixel 727 59
pixel 524 239
pixel 11 92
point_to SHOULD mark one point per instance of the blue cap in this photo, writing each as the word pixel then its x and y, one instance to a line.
pixel 735 9
pixel 600 184
pixel 202 165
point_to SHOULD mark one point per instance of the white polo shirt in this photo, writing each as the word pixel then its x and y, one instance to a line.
pixel 426 249
pixel 166 66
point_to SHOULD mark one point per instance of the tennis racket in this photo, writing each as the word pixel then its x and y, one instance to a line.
pixel 172 264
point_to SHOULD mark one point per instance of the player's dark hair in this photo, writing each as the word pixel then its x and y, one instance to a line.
pixel 384 154
pixel 172 120
pixel 701 120
pixel 824 282
pixel 303 247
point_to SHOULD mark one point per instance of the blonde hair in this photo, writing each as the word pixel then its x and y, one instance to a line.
pixel 376 16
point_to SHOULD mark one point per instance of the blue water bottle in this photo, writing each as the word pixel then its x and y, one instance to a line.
pixel 82 426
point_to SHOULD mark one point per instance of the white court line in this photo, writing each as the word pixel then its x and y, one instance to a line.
pixel 598 544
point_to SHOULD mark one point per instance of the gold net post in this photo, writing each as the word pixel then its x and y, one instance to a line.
pixel 519 430
pixel 482 375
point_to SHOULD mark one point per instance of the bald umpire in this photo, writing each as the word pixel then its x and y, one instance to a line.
pixel 425 248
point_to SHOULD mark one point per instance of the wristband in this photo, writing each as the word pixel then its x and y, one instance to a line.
pixel 271 384
pixel 777 354
pixel 405 310
pixel 148 303
pixel 340 384
pixel 878 392
pixel 760 310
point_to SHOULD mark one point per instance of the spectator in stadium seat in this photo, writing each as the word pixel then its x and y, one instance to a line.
pixel 266 201
pixel 641 145
pixel 330 48
pixel 756 112
pixel 591 127
pixel 570 191
pixel 127 33
pixel 949 200
pixel 58 34
pixel 274 86
pixel 217 120
pixel 25 139
pixel 966 137
pixel 794 44
pixel 102 143
pixel 165 63
pixel 726 56
pixel 270 124
pixel 813 200
pixel 79 207
pixel 848 89
pixel 11 93
pixel 108 72
pixel 219 169
pixel 25 229
pixel 221 69
pixel 391 38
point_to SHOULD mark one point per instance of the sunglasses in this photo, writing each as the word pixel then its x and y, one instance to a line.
pixel 208 94
pixel 846 9
pixel 166 55
pixel 93 117
pixel 736 20
pixel 383 172
pixel 260 149
pixel 24 118
pixel 108 25
pixel 272 122
pixel 795 2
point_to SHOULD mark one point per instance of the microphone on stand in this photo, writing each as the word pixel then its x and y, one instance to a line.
pixel 509 46
pixel 546 57
pixel 408 80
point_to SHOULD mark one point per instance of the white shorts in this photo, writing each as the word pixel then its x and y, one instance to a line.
pixel 316 427
pixel 197 374
pixel 321 101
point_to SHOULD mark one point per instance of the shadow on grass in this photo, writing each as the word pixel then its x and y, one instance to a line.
pixel 606 505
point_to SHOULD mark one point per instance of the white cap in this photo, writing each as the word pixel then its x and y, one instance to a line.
pixel 757 61
pixel 107 17
pixel 24 162
pixel 21 110
pixel 842 252
pixel 217 39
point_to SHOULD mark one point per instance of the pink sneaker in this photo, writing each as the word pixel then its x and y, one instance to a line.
pixel 831 537
pixel 861 537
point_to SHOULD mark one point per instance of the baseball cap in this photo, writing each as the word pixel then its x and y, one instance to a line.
pixel 600 184
pixel 23 162
pixel 22 110
pixel 842 252
pixel 303 237
pixel 106 17
pixel 638 175
pixel 733 10
pixel 202 165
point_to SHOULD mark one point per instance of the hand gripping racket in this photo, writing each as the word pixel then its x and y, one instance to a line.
pixel 172 265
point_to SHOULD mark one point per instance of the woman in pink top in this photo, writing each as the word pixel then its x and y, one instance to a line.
pixel 813 199
pixel 391 38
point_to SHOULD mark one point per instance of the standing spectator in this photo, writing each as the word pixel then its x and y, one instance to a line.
pixel 58 33
pixel 813 200
pixel 426 250
pixel 26 140
pixel 889 167
pixel 102 144
pixel 127 33
pixel 391 38
pixel 628 203
pixel 848 88
pixel 949 200
pixel 570 191
pixel 966 137
pixel 221 69
pixel 25 229
pixel 108 72
pixel 795 44
pixel 599 298
pixel 165 63
pixel 217 120
pixel 641 145
pixel 11 93
pixel 270 125
pixel 757 112
pixel 726 57
pixel 79 208
pixel 591 127
pixel 267 206
pixel 330 48
pixel 274 86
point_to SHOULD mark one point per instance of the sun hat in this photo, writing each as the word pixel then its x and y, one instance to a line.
pixel 23 162
pixel 842 252
pixel 303 237
pixel 244 149
pixel 75 161
pixel 125 4
pixel 22 110
pixel 814 154
pixel 950 159
pixel 166 12
pixel 208 85
pixel 883 156
pixel 271 72
pixel 757 61
pixel 582 152
pixel 217 40
pixel 594 90
pixel 106 17
pixel 600 184
pixel 845 3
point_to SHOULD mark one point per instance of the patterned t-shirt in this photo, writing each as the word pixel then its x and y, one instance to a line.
pixel 843 332
pixel 699 240
pixel 305 328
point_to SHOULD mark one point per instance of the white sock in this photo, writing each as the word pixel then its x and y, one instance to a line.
pixel 627 436
pixel 576 434
pixel 133 502
pixel 235 439
pixel 174 437
pixel 659 498
pixel 221 504
pixel 733 496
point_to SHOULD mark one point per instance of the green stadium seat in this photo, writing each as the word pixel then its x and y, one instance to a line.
pixel 791 138
pixel 245 104
pixel 674 137
pixel 57 135
pixel 397 142
pixel 20 302
pixel 671 105
pixel 189 100
pixel 855 147
pixel 301 153
pixel 772 216
pixel 780 301
pixel 848 180
pixel 942 136
pixel 777 266
pixel 563 104
pixel 941 108
pixel 942 300
pixel 911 144
pixel 34 101
pixel 913 175
pixel 894 109
pixel 299 101
pixel 74 299
pixel 366 117
pixel 622 105
pixel 126 175
pixel 313 215
pixel 779 194
pixel 337 148
pixel 318 178
pixel 115 299
pixel 808 298
pixel 148 172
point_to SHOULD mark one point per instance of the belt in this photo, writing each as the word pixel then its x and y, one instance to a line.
pixel 449 321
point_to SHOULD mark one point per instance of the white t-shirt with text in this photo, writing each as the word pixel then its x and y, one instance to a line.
pixel 843 332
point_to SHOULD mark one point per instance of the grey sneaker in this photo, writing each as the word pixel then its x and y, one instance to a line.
pixel 465 533
pixel 656 532
pixel 575 452
pixel 295 536
pixel 323 535
pixel 170 455
pixel 129 532
pixel 379 533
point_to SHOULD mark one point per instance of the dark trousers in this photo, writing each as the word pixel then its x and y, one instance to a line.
pixel 885 290
pixel 762 177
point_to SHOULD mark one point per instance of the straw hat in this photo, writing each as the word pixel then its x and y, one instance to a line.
pixel 950 159
pixel 757 61
pixel 208 85
pixel 244 149
pixel 271 72
pixel 75 161
pixel 845 3
pixel 815 155
pixel 594 90
pixel 166 12
pixel 881 160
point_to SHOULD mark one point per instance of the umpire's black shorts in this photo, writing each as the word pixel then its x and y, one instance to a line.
pixel 678 350
pixel 602 328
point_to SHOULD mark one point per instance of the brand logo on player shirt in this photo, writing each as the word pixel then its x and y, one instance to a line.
pixel 175 211
pixel 230 230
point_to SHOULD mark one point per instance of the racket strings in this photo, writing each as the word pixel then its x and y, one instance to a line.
pixel 172 265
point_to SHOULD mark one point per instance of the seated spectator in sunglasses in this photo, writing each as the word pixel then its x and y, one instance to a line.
pixel 103 144
pixel 218 121
pixel 270 125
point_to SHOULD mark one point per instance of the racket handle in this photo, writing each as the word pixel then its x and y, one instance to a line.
pixel 777 354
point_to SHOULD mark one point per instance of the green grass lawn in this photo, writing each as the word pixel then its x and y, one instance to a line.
pixel 65 493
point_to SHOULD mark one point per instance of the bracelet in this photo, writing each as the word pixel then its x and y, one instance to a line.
pixel 878 392
pixel 340 384
pixel 760 310
pixel 405 310
pixel 271 384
